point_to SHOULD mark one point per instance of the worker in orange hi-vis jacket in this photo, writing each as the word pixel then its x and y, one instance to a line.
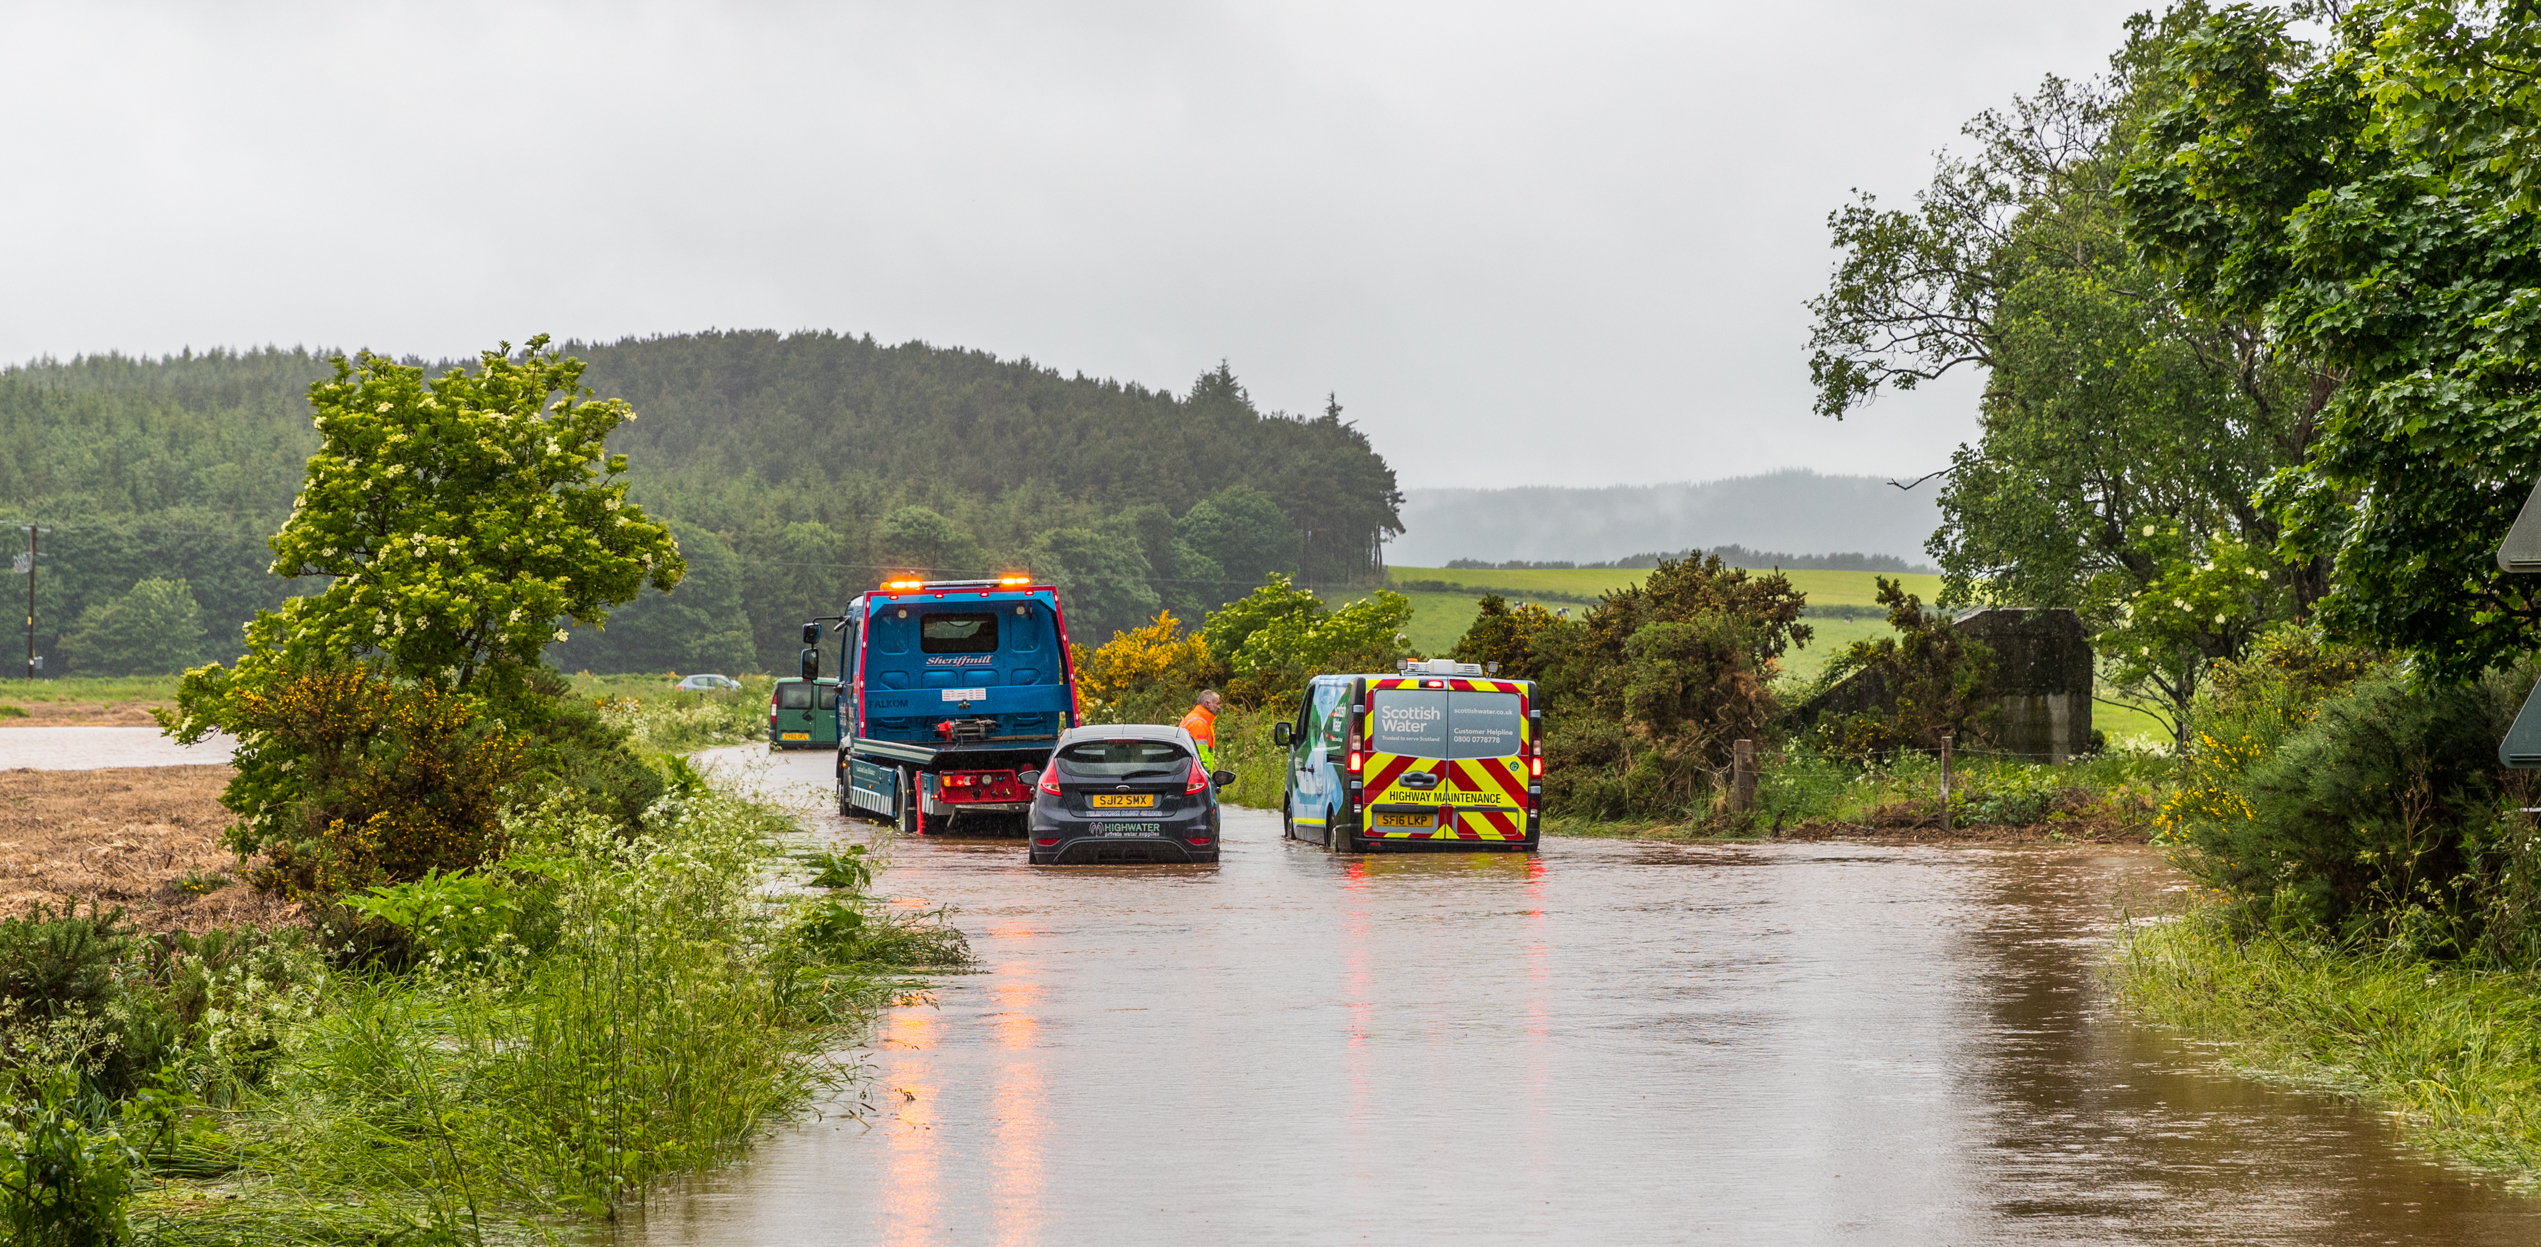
pixel 1202 723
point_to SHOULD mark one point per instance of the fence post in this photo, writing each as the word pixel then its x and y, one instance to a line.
pixel 1945 782
pixel 1742 783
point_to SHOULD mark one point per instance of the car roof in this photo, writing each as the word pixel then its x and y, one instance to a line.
pixel 1127 731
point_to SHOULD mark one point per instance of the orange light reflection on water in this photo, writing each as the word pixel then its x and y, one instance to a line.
pixel 908 1129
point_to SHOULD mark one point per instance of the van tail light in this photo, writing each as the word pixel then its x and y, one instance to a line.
pixel 1050 779
pixel 1355 762
pixel 1199 781
pixel 1536 766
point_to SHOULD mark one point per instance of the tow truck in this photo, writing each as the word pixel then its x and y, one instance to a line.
pixel 949 691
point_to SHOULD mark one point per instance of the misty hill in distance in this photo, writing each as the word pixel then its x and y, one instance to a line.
pixel 1795 509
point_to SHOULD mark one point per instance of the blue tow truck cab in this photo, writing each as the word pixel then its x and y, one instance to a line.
pixel 952 690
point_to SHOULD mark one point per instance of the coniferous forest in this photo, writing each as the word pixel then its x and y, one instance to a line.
pixel 795 470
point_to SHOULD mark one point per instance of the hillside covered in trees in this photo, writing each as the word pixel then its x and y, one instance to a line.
pixel 795 469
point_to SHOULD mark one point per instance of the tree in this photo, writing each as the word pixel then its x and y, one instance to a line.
pixel 1647 693
pixel 1101 577
pixel 1275 602
pixel 1243 532
pixel 460 523
pixel 1507 636
pixel 1925 681
pixel 2371 203
pixel 1365 635
pixel 2118 422
pixel 702 624
pixel 153 629
pixel 915 539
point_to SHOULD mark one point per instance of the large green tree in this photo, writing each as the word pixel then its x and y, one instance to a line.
pixel 2371 202
pixel 2122 432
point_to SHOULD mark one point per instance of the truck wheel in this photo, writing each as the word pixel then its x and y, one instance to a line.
pixel 909 806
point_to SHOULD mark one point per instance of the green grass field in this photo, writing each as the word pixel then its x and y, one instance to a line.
pixel 1822 588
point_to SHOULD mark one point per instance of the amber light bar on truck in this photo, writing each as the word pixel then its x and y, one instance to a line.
pixel 912 584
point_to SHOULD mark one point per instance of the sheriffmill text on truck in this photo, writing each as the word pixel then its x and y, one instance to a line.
pixel 949 689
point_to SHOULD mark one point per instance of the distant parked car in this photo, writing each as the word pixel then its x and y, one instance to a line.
pixel 1125 793
pixel 706 684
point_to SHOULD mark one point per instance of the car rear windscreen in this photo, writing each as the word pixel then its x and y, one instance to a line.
pixel 1435 723
pixel 794 697
pixel 1122 759
pixel 970 632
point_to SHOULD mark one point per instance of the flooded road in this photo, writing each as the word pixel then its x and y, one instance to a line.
pixel 1613 1043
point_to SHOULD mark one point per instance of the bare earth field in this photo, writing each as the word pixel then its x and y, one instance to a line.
pixel 125 836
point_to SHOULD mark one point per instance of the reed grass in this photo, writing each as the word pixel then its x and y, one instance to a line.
pixel 2453 1049
pixel 656 1005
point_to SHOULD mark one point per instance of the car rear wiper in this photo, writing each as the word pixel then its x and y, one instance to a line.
pixel 1171 770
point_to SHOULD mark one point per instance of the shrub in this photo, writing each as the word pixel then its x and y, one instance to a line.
pixel 2371 819
pixel 64 1180
pixel 1914 687
pixel 348 778
pixel 1146 674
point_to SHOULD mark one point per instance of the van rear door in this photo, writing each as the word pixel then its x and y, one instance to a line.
pixel 1455 755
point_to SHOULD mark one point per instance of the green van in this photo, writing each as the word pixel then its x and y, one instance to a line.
pixel 803 714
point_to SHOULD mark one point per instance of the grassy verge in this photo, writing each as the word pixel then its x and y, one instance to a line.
pixel 2110 797
pixel 2455 1051
pixel 486 1057
pixel 663 720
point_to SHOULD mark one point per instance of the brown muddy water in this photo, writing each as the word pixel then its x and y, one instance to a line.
pixel 1615 1042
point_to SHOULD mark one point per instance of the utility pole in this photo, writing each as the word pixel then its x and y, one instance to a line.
pixel 26 564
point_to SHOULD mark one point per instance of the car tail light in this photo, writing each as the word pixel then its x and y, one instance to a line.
pixel 1050 779
pixel 1199 839
pixel 1199 781
pixel 1047 843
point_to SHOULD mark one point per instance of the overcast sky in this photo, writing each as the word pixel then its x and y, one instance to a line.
pixel 1526 244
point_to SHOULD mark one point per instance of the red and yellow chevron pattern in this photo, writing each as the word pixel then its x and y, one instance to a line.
pixel 1488 795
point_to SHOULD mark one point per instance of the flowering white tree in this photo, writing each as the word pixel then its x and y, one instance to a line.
pixel 461 521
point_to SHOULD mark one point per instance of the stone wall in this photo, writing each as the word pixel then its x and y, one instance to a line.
pixel 2042 671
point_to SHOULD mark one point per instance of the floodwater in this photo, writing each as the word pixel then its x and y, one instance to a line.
pixel 93 748
pixel 1615 1042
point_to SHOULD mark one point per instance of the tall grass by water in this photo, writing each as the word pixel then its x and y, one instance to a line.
pixel 542 1040
pixel 2453 1048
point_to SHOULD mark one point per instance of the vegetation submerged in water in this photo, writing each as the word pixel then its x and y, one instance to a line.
pixel 476 1055
pixel 2450 1046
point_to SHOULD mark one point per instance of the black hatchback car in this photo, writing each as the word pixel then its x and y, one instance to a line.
pixel 1125 793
